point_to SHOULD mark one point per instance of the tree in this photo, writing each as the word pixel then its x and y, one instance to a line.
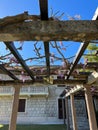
pixel 92 53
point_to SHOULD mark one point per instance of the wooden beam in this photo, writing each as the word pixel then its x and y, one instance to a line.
pixel 42 81
pixel 95 17
pixel 92 78
pixel 14 51
pixel 47 55
pixel 79 53
pixel 8 72
pixel 74 90
pixel 83 30
pixel 44 9
pixel 44 16
pixel 12 125
pixel 67 113
pixel 70 82
pixel 90 109
pixel 73 112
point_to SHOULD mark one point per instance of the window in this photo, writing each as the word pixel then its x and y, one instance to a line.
pixel 61 109
pixel 22 104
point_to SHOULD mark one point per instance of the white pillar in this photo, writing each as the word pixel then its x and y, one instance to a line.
pixel 73 112
pixel 12 125
pixel 90 109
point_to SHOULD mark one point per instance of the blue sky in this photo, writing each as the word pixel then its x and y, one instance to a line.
pixel 83 8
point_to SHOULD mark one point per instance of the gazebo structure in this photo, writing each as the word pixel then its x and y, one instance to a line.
pixel 24 27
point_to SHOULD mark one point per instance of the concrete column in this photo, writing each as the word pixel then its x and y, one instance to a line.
pixel 12 125
pixel 90 109
pixel 73 112
pixel 67 114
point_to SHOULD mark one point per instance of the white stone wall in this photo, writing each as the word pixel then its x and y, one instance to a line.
pixel 5 109
pixel 81 113
pixel 39 108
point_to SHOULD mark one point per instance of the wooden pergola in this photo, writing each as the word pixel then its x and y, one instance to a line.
pixel 37 28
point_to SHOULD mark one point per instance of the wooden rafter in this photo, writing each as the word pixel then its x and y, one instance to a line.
pixel 44 16
pixel 47 55
pixel 14 51
pixel 44 9
pixel 8 72
pixel 80 52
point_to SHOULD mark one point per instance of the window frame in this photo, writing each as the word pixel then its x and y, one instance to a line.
pixel 24 106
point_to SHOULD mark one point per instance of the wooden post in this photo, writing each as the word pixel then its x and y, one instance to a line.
pixel 90 109
pixel 67 114
pixel 12 125
pixel 73 112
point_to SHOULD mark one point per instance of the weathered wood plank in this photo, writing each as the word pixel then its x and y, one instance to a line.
pixel 17 18
pixel 50 30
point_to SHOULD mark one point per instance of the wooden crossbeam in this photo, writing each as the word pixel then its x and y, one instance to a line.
pixel 42 81
pixel 83 30
pixel 14 51
pixel 70 82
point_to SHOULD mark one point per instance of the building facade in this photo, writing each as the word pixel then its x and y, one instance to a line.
pixel 42 104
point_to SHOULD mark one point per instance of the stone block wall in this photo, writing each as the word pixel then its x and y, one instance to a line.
pixel 38 109
pixel 81 113
pixel 5 109
pixel 43 108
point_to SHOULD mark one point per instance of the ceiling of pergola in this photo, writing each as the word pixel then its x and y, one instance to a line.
pixel 44 73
